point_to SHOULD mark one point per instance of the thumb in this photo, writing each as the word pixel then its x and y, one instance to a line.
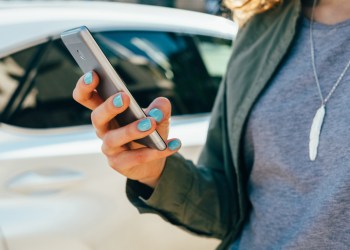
pixel 160 110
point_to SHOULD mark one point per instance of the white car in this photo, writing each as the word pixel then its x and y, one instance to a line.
pixel 57 191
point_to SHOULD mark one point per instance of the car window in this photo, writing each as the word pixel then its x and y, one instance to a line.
pixel 49 103
pixel 215 54
pixel 187 69
pixel 12 69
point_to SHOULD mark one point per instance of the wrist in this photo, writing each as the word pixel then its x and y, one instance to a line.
pixel 153 180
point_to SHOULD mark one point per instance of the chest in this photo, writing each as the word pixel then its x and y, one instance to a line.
pixel 278 128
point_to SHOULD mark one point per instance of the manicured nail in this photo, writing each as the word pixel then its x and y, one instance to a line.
pixel 88 78
pixel 174 144
pixel 156 114
pixel 118 101
pixel 144 125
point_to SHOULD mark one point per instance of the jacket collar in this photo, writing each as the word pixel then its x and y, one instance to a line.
pixel 258 50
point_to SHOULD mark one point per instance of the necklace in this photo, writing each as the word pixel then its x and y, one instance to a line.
pixel 317 122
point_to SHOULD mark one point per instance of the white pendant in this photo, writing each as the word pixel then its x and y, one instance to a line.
pixel 315 132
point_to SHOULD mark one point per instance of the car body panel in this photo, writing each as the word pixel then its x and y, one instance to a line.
pixel 53 192
pixel 35 22
pixel 23 143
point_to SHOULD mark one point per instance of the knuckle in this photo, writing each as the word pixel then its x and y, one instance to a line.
pixel 108 140
pixel 129 131
pixel 77 95
pixel 95 119
pixel 110 151
pixel 104 149
pixel 99 134
pixel 115 164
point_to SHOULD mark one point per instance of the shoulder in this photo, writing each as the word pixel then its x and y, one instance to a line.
pixel 274 20
pixel 264 31
pixel 259 47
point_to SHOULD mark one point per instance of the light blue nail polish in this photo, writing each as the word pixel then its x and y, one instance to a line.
pixel 144 125
pixel 174 144
pixel 88 78
pixel 156 114
pixel 118 101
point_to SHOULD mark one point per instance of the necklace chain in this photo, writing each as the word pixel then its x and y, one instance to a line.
pixel 312 50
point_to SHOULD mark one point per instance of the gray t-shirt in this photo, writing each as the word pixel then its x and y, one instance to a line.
pixel 297 203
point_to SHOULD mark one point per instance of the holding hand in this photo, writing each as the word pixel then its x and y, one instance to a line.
pixel 131 159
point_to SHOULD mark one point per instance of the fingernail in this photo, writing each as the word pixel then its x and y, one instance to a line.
pixel 118 101
pixel 156 114
pixel 88 78
pixel 144 125
pixel 174 144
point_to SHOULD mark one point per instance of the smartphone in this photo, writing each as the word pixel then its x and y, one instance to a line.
pixel 90 57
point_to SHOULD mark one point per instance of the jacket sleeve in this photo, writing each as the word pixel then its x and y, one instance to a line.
pixel 194 197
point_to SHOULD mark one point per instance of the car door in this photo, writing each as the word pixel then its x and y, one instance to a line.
pixel 56 187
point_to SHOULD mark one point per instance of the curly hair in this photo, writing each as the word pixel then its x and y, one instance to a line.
pixel 245 9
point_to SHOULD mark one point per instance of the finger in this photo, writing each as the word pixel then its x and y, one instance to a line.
pixel 160 110
pixel 85 93
pixel 104 113
pixel 127 162
pixel 112 151
pixel 114 139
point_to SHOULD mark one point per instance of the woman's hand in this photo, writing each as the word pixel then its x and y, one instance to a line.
pixel 131 159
